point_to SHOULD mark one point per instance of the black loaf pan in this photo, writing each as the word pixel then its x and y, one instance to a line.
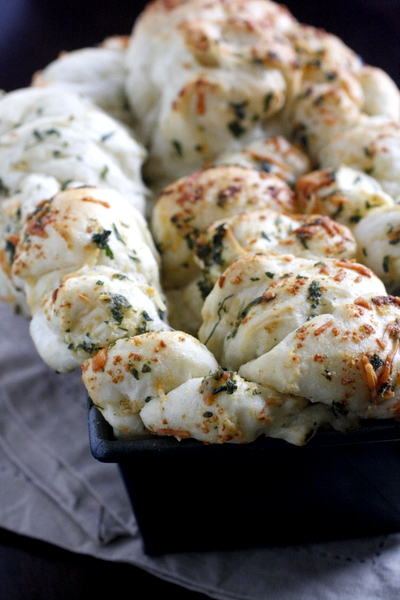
pixel 188 496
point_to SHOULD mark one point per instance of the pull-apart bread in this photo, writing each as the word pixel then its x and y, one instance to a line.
pixel 204 217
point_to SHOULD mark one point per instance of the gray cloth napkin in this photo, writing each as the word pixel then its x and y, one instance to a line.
pixel 52 489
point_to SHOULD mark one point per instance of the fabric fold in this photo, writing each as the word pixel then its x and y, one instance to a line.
pixel 55 478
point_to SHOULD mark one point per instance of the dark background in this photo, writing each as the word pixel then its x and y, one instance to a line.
pixel 32 33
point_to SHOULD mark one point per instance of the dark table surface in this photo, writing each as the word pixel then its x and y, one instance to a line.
pixel 32 33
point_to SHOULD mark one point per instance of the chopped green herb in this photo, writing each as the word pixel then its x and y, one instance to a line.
pixel 66 184
pixel 376 361
pixel 135 373
pixel 319 101
pixel 385 264
pixel 267 101
pixel 101 239
pixel 266 166
pixel 37 135
pixel 109 252
pixel 178 147
pixel 106 136
pixel 212 251
pixel 238 108
pixel 303 236
pixel 118 235
pixel 205 288
pixel 229 387
pixel 190 241
pixel 104 172
pixel 3 188
pixel 88 347
pixel 119 304
pixel 10 249
pixel 236 129
pixel 385 387
pixel 263 299
pixel 300 133
pixel 303 139
pixel 208 414
pixel 53 131
pixel 143 327
pixel 338 211
pixel 314 293
pixel 368 152
pixel 394 235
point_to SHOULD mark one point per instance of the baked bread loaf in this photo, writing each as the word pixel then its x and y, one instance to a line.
pixel 267 230
pixel 95 73
pixel 190 204
pixel 347 360
pixel 205 77
pixel 50 140
pixel 262 298
pixel 217 254
pixel 123 378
